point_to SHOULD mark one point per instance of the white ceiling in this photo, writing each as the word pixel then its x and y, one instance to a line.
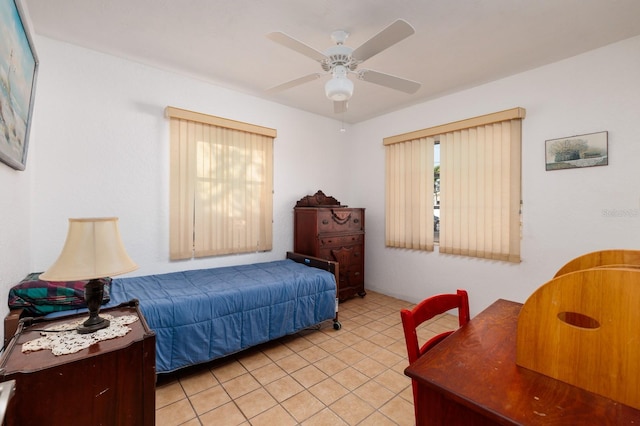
pixel 457 44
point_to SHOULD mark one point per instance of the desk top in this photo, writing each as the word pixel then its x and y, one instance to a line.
pixel 476 367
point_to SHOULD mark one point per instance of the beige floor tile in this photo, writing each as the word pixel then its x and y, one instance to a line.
pixel 350 378
pixel 291 363
pixel 386 357
pixel 255 402
pixel 330 365
pixel 365 346
pixel 228 370
pixel 350 356
pixel 192 422
pixel 364 331
pixel 169 393
pixel 328 391
pixel 268 373
pixel 198 381
pixel 303 405
pixel 278 352
pixel 352 409
pixel 380 339
pixel 284 388
pixel 313 354
pixel 400 411
pixel 393 381
pixel 348 338
pixel 316 338
pixel 254 360
pixel 377 419
pixel 298 344
pixel 175 414
pixel 375 394
pixel 369 367
pixel 227 414
pixel 332 345
pixel 325 417
pixel 309 376
pixel 241 385
pixel 274 416
pixel 209 399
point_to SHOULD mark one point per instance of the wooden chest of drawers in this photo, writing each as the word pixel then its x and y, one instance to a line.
pixel 334 233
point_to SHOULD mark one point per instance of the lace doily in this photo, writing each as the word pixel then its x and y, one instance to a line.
pixel 70 341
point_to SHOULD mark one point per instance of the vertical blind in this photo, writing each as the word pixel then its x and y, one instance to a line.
pixel 480 187
pixel 221 190
pixel 409 189
pixel 480 191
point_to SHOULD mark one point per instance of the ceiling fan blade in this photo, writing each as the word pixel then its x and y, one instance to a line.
pixel 397 31
pixel 298 46
pixel 293 83
pixel 390 81
pixel 340 106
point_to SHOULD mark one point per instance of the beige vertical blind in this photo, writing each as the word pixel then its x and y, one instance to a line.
pixel 480 191
pixel 480 186
pixel 409 194
pixel 221 190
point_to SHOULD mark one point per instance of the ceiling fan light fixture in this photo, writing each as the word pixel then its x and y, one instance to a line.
pixel 339 89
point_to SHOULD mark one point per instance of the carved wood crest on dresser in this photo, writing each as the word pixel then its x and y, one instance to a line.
pixel 326 229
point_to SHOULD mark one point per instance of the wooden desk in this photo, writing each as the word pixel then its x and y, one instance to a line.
pixel 471 378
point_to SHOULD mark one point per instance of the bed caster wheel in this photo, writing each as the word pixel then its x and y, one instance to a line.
pixel 337 325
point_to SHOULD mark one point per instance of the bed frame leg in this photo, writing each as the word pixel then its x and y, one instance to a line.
pixel 336 323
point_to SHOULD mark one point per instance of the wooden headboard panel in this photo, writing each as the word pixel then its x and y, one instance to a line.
pixel 582 328
pixel 597 259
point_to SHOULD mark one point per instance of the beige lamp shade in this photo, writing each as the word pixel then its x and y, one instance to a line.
pixel 93 249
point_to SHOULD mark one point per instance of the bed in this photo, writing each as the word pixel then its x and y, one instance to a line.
pixel 202 315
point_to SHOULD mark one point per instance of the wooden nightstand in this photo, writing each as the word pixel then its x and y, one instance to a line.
pixel 110 383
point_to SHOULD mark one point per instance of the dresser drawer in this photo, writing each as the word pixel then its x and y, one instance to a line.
pixel 340 220
pixel 339 241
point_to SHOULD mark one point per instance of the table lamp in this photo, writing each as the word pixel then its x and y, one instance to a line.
pixel 93 250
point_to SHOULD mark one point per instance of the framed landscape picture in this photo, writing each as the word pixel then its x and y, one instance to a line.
pixel 18 70
pixel 577 151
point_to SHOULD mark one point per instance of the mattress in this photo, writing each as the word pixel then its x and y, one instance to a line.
pixel 201 315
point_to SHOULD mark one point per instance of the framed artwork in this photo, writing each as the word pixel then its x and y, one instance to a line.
pixel 18 70
pixel 577 151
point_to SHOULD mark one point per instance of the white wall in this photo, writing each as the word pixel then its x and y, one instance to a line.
pixel 100 147
pixel 103 150
pixel 15 228
pixel 566 212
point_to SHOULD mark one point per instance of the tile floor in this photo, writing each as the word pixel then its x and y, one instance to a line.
pixel 351 376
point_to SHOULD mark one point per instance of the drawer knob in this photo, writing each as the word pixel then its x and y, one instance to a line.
pixel 325 222
pixel 356 220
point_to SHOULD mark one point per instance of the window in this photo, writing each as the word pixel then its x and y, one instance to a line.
pixel 221 186
pixel 479 187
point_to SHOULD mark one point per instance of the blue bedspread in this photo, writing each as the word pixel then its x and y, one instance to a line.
pixel 200 315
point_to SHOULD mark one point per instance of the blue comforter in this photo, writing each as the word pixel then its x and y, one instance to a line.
pixel 200 315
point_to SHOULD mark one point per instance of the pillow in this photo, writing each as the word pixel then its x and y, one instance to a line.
pixel 39 297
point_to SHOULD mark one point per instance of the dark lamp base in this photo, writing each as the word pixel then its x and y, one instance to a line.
pixel 90 326
pixel 93 292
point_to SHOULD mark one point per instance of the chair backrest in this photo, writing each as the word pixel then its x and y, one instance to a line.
pixel 426 310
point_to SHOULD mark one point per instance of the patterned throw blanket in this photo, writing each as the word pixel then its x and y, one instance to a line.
pixel 39 297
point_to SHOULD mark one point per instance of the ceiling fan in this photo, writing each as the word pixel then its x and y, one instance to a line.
pixel 339 61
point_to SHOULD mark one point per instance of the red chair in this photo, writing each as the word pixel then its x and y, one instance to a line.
pixel 424 311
